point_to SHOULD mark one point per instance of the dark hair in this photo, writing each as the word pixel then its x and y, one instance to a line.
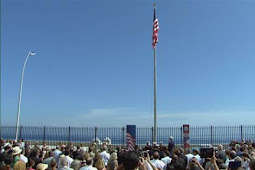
pixel 232 155
pixel 130 160
pixel 167 153
pixel 252 164
pixel 8 159
pixel 67 152
pixel 178 152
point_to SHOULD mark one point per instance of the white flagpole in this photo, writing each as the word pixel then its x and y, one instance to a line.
pixel 155 90
pixel 155 96
pixel 20 94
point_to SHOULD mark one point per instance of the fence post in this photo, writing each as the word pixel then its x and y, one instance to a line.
pixel 20 132
pixel 241 129
pixel 182 144
pixel 211 135
pixel 152 134
pixel 123 136
pixel 69 135
pixel 44 132
pixel 96 136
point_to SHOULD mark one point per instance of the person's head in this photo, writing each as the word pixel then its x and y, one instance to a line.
pixel 237 147
pixel 97 156
pixel 188 151
pixel 156 155
pixel 89 161
pixel 175 158
pixel 193 162
pixel 114 156
pixel 41 166
pixel 220 147
pixel 7 147
pixel 8 159
pixel 195 152
pixel 104 148
pixel 51 153
pixel 16 151
pixel 130 160
pixel 86 156
pixel 53 163
pixel 252 154
pixel 167 153
pixel 67 152
pixel 181 150
pixel 34 152
pixel 100 164
pixel 227 152
pixel 171 138
pixel 232 155
pixel 178 152
pixel 20 165
pixel 76 164
pixel 63 161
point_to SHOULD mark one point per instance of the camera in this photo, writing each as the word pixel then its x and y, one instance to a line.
pixel 206 152
pixel 145 154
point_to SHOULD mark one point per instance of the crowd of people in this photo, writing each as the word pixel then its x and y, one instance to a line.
pixel 22 155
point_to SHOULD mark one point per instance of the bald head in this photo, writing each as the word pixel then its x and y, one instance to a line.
pixel 155 155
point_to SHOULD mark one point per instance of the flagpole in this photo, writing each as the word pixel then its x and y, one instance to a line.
pixel 155 87
pixel 155 97
pixel 20 95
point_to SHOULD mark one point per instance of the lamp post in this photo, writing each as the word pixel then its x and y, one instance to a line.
pixel 20 93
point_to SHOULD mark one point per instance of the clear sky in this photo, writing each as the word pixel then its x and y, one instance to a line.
pixel 94 62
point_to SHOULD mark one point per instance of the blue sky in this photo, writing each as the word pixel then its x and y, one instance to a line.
pixel 94 62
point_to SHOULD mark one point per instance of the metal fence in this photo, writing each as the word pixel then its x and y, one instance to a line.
pixel 198 135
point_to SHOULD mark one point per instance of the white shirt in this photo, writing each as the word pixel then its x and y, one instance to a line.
pixel 88 168
pixel 23 158
pixel 69 161
pixel 199 159
pixel 84 149
pixel 56 155
pixel 189 157
pixel 158 163
pixel 105 156
pixel 166 160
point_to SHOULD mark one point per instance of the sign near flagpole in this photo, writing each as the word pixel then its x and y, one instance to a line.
pixel 186 137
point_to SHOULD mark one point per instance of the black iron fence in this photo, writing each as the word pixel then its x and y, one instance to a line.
pixel 198 135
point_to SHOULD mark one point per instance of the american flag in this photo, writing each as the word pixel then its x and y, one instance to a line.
pixel 130 142
pixel 155 29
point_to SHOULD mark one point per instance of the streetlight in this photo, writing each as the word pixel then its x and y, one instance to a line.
pixel 20 93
